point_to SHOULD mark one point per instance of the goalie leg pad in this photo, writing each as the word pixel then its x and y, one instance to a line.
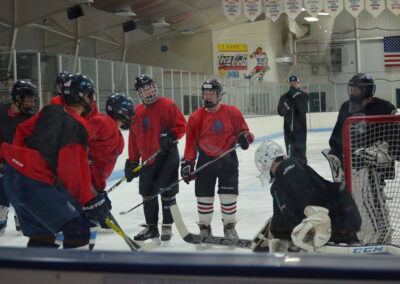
pixel 335 165
pixel 314 231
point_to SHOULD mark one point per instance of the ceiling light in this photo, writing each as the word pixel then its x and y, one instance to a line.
pixel 160 23
pixel 188 32
pixel 125 11
pixel 311 19
pixel 323 14
pixel 82 1
pixel 303 9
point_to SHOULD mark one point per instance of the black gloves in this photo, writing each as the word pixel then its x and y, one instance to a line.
pixel 97 209
pixel 187 167
pixel 245 139
pixel 166 140
pixel 129 167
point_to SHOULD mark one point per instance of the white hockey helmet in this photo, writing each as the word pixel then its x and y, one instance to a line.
pixel 264 157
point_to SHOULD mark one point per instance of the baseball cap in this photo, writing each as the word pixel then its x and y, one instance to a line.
pixel 293 79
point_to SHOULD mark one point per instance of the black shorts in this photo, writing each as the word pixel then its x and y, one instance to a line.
pixel 225 169
pixel 160 174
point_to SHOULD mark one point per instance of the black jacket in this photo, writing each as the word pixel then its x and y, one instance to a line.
pixel 293 107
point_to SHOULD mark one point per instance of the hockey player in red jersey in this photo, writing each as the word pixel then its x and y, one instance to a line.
pixel 59 100
pixel 107 142
pixel 47 176
pixel 24 104
pixel 159 122
pixel 212 130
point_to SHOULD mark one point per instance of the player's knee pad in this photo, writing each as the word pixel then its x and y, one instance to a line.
pixel 205 207
pixel 47 241
pixel 78 233
pixel 228 207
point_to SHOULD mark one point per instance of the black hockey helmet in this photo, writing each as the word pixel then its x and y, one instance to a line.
pixel 212 85
pixel 122 107
pixel 59 81
pixel 366 89
pixel 146 94
pixel 75 87
pixel 23 90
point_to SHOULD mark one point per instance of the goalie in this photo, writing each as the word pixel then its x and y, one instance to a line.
pixel 307 209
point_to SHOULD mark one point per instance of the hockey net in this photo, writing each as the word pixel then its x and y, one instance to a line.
pixel 371 148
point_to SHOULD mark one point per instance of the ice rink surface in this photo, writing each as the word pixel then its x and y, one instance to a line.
pixel 254 203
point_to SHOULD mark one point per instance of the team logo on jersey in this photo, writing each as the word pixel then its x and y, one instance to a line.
pixel 217 126
pixel 145 123
pixel 288 168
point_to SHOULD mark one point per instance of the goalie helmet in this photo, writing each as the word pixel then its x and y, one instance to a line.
pixel 359 88
pixel 25 96
pixel 146 89
pixel 264 157
pixel 122 107
pixel 212 85
pixel 74 89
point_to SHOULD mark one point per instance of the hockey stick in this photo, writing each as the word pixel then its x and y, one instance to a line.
pixel 251 244
pixel 134 170
pixel 162 190
pixel 113 224
pixel 198 239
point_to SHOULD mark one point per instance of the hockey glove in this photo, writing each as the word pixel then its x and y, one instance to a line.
pixel 314 231
pixel 245 139
pixel 129 167
pixel 187 167
pixel 377 154
pixel 166 141
pixel 97 209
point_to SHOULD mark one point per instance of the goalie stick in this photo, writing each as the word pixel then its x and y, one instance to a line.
pixel 252 244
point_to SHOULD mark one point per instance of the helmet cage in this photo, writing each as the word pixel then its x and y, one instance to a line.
pixel 264 157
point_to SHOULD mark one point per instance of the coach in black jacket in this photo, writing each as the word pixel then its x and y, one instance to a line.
pixel 293 107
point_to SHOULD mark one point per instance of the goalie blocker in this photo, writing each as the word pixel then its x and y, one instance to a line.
pixel 295 187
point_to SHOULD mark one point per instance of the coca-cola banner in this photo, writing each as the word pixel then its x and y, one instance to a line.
pixel 252 9
pixel 292 8
pixel 313 7
pixel 375 7
pixel 273 9
pixel 354 7
pixel 232 8
pixel 333 7
pixel 393 6
pixel 236 61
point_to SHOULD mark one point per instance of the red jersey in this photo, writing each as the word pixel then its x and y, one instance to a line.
pixel 150 120
pixel 215 132
pixel 105 145
pixel 51 144
pixel 59 100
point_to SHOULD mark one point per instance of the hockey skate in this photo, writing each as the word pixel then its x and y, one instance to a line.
pixel 3 219
pixel 230 232
pixel 150 232
pixel 205 231
pixel 166 233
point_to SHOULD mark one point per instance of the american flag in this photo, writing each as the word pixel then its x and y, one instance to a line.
pixel 391 51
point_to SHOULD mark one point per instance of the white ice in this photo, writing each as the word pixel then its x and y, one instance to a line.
pixel 254 204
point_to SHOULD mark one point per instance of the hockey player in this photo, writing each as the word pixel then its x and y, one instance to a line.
pixel 212 130
pixel 293 107
pixel 24 97
pixel 262 64
pixel 361 90
pixel 107 142
pixel 159 122
pixel 89 112
pixel 307 209
pixel 47 175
